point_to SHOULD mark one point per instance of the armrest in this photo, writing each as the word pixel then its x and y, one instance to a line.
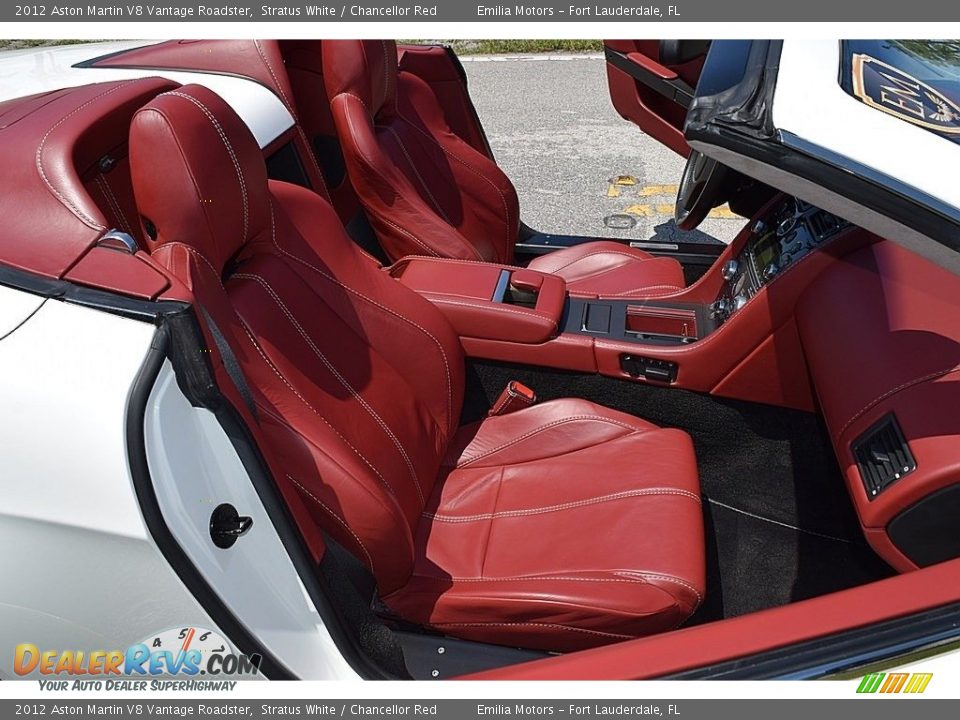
pixel 486 300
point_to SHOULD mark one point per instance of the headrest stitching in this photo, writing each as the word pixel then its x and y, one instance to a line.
pixel 233 156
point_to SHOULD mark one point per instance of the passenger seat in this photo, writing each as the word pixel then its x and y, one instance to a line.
pixel 562 526
pixel 428 192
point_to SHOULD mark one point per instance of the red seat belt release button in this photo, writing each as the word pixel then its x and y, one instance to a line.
pixel 515 396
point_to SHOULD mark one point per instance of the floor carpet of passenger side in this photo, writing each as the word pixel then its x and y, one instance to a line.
pixel 780 526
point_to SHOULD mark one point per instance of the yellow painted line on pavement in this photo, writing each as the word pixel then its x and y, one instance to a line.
pixel 621 184
pixel 724 212
pixel 651 190
pixel 620 181
pixel 653 210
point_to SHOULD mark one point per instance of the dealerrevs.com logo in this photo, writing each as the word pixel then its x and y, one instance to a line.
pixel 187 653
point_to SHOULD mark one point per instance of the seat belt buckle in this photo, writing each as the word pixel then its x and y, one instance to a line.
pixel 515 396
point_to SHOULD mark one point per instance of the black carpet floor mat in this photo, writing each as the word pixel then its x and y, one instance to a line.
pixel 780 526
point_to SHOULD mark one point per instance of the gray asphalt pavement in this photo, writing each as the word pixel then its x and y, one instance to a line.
pixel 555 133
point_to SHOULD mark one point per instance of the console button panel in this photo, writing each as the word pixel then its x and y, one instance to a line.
pixel 779 239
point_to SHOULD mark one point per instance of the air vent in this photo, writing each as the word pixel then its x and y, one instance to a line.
pixel 823 224
pixel 882 456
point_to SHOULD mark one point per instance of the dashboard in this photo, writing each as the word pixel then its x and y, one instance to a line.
pixel 779 238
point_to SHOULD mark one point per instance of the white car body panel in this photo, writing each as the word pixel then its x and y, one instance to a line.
pixel 79 569
pixel 28 72
pixel 16 308
pixel 64 379
pixel 810 103
pixel 194 468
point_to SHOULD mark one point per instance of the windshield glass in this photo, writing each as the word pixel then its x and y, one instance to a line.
pixel 917 81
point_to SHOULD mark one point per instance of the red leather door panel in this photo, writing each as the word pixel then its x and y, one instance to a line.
pixel 648 79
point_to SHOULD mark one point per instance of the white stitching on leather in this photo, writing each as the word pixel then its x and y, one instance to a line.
pixel 339 519
pixel 505 397
pixel 296 392
pixel 443 355
pixel 276 371
pixel 910 383
pixel 545 578
pixel 555 626
pixel 113 203
pixel 665 578
pixel 343 381
pixel 383 218
pixel 562 506
pixel 670 288
pixel 233 156
pixel 631 256
pixel 699 344
pixel 497 307
pixel 416 171
pixel 542 428
pixel 433 199
pixel 193 251
pixel 386 71
pixel 461 261
pixel 276 81
pixel 503 199
pixel 38 158
pixel 380 216
pixel 358 99
pixel 290 106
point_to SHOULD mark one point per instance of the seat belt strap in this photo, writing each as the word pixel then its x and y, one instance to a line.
pixel 231 364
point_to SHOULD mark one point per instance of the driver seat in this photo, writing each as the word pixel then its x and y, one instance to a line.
pixel 428 192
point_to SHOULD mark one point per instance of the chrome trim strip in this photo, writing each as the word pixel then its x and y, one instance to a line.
pixel 118 240
pixel 501 289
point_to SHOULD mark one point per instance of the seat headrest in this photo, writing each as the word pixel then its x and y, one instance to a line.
pixel 365 68
pixel 198 175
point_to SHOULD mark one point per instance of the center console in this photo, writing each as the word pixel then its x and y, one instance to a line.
pixel 486 300
pixel 731 332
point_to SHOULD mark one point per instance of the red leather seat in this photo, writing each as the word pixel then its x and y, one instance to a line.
pixel 561 526
pixel 428 192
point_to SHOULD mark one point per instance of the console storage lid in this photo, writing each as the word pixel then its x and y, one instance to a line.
pixel 486 300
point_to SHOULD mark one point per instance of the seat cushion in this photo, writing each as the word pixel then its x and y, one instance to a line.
pixel 605 268
pixel 562 526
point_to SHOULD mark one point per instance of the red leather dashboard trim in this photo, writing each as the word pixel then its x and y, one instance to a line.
pixel 881 331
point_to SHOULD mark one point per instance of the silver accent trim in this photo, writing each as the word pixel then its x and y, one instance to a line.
pixel 500 291
pixel 640 245
pixel 118 240
pixel 729 270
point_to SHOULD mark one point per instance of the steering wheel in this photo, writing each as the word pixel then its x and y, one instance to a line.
pixel 699 189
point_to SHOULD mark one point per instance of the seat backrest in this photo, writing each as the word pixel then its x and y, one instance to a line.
pixel 358 381
pixel 426 191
